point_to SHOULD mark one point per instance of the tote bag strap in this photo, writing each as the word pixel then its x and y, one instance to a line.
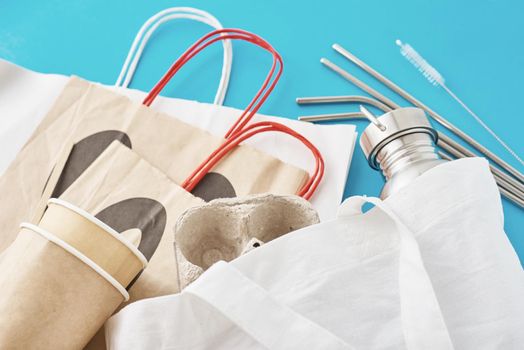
pixel 423 324
pixel 151 25
pixel 307 189
pixel 224 34
pixel 257 313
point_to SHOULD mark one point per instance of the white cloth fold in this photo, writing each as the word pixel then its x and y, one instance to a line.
pixel 263 323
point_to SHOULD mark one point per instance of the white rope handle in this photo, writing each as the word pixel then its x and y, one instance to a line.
pixel 148 28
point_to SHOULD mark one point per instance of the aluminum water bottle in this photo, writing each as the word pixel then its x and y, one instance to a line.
pixel 402 145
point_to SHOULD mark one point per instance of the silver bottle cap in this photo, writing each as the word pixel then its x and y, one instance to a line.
pixel 394 124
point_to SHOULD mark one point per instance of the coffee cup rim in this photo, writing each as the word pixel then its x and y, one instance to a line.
pixel 102 225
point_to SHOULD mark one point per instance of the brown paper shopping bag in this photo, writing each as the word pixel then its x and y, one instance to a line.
pixel 99 117
pixel 129 194
pixel 141 203
pixel 53 296
pixel 90 117
pixel 123 190
pixel 131 184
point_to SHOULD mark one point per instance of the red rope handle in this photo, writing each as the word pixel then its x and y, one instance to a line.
pixel 210 38
pixel 306 191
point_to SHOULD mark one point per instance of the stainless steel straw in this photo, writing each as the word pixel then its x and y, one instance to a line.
pixel 509 187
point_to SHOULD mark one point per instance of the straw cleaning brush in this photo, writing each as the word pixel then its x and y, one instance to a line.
pixel 435 78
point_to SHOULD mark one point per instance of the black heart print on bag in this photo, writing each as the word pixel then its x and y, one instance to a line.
pixel 213 186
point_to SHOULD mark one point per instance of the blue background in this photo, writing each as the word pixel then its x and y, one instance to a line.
pixel 476 45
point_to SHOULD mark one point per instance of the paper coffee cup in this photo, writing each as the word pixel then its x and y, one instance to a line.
pixel 93 238
pixel 53 296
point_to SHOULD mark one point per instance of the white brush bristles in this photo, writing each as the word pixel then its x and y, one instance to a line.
pixel 430 73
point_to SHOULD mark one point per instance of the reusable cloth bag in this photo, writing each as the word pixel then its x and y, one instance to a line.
pixel 428 268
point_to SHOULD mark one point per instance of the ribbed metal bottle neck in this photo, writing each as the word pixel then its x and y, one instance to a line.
pixel 404 153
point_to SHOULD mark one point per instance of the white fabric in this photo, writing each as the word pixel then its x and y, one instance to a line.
pixel 429 268
pixel 422 322
pixel 26 96
pixel 261 323
pixel 167 15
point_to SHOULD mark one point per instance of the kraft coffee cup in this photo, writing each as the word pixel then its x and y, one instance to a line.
pixel 52 295
pixel 93 238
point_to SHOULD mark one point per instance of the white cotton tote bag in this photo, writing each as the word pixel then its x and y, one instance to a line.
pixel 428 268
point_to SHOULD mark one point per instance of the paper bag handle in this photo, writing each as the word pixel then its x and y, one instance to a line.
pixel 210 38
pixel 307 189
pixel 149 27
pixel 239 132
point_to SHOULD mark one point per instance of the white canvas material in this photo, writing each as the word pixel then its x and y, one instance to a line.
pixel 428 268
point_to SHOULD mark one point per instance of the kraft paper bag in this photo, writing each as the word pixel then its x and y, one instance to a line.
pixel 91 117
pixel 131 196
pixel 51 298
pixel 26 97
pixel 137 200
